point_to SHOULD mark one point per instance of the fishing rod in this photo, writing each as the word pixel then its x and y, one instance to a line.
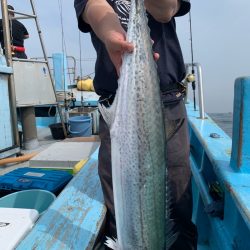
pixel 191 77
pixel 81 77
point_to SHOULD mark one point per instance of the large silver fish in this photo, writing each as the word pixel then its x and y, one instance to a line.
pixel 138 145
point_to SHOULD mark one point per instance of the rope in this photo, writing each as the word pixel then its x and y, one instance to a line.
pixel 87 59
pixel 88 75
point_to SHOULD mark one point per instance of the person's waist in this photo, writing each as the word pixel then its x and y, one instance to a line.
pixel 176 86
pixel 107 100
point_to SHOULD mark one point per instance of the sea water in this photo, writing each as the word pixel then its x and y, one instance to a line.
pixel 224 121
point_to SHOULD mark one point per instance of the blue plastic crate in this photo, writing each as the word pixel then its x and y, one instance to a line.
pixel 34 178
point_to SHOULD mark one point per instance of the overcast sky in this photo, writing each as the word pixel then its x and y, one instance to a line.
pixel 221 41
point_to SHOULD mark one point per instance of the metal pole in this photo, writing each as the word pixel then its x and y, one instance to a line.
pixel 200 88
pixel 39 31
pixel 8 55
pixel 28 60
pixel 200 91
pixel 74 62
pixel 23 14
pixel 46 58
pixel 28 119
pixel 187 89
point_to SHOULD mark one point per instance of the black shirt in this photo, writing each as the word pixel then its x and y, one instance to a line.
pixel 171 68
pixel 18 32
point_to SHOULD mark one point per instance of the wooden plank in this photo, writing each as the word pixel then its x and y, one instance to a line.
pixel 74 220
pixel 92 138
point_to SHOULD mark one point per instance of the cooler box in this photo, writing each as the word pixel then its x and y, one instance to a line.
pixel 34 178
pixel 15 223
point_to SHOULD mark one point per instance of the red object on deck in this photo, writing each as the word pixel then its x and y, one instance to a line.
pixel 18 49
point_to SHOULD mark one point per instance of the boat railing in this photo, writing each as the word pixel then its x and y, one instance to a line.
pixel 71 65
pixel 221 175
pixel 199 82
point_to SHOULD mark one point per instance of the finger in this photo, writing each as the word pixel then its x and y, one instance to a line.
pixel 118 67
pixel 156 56
pixel 118 72
pixel 117 64
pixel 127 47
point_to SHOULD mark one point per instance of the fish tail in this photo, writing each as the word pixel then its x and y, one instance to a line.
pixel 112 243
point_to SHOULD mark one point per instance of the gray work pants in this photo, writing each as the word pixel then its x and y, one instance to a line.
pixel 179 176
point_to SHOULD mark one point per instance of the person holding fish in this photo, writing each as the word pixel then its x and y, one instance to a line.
pixel 107 22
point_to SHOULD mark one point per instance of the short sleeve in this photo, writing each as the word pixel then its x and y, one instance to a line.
pixel 25 32
pixel 79 8
pixel 184 8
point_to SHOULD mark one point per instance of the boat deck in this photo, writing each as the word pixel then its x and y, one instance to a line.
pixel 45 140
pixel 74 220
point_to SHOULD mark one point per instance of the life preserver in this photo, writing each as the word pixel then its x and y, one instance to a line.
pixel 17 49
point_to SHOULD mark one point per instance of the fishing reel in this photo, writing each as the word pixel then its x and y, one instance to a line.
pixel 190 78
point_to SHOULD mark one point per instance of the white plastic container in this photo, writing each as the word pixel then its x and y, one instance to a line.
pixel 15 223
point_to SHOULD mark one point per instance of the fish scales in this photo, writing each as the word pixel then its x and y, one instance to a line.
pixel 138 143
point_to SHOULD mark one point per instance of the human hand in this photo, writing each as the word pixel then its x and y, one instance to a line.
pixel 106 25
pixel 117 45
pixel 156 55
